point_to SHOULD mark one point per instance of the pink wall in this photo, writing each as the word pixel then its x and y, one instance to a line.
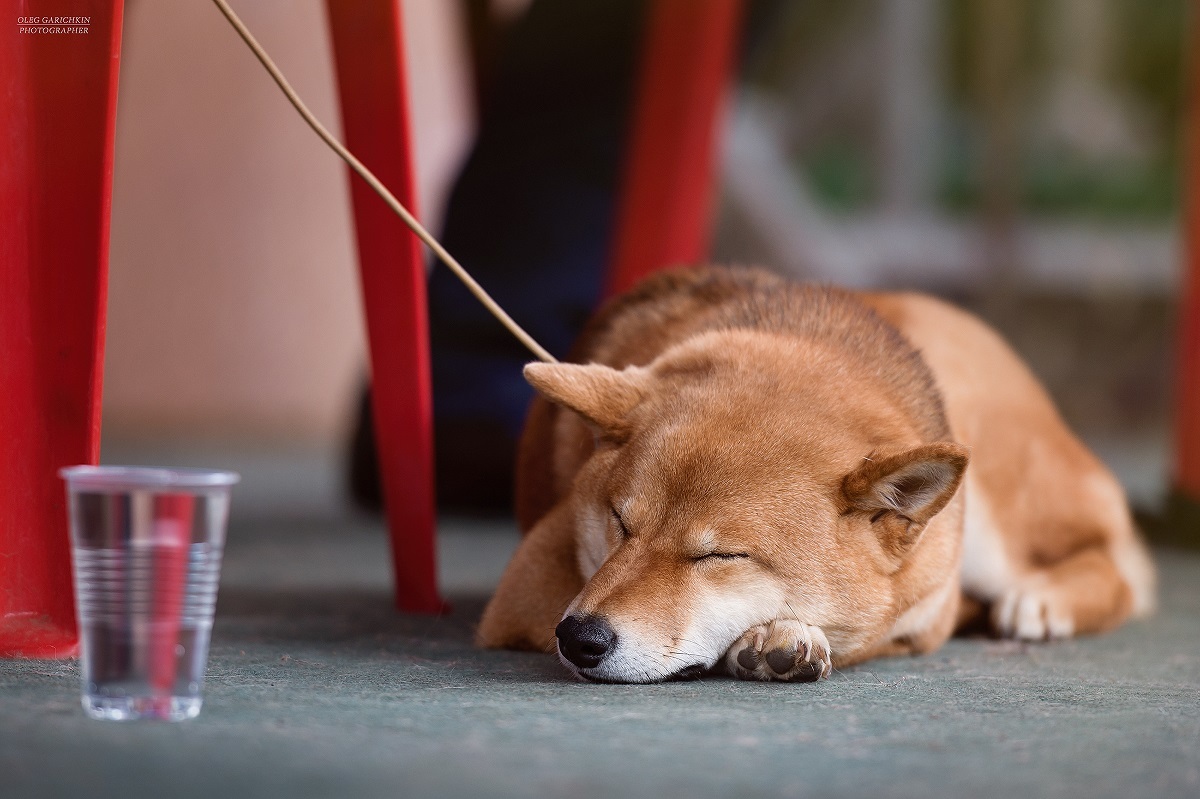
pixel 233 310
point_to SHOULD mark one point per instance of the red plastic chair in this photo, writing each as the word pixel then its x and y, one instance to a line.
pixel 664 215
pixel 1186 475
pixel 55 194
pixel 57 110
pixel 368 47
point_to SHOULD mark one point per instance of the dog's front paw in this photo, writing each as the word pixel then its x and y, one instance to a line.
pixel 782 650
pixel 1033 612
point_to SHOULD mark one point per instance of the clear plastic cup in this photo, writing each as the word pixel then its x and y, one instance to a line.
pixel 147 547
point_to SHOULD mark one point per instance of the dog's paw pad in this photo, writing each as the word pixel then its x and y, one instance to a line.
pixel 1034 612
pixel 783 661
pixel 783 650
pixel 748 659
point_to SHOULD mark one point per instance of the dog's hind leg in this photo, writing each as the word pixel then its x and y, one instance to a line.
pixel 1084 593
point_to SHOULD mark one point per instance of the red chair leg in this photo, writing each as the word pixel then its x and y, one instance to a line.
pixel 58 95
pixel 368 46
pixel 1187 412
pixel 665 209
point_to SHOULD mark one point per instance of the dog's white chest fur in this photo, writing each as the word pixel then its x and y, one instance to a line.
pixel 986 569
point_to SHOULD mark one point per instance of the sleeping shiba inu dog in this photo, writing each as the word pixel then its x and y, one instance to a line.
pixel 739 472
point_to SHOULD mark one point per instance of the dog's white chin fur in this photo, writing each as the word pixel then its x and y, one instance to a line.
pixel 628 665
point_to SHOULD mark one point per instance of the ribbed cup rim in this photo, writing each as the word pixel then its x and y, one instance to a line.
pixel 125 478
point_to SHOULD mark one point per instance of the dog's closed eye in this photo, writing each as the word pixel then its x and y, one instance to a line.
pixel 722 556
pixel 621 528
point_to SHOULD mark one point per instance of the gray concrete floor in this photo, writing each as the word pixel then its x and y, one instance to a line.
pixel 317 688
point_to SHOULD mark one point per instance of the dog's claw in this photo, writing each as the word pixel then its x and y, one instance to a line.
pixel 808 672
pixel 783 650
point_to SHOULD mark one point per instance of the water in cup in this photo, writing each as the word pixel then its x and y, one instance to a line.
pixel 147 547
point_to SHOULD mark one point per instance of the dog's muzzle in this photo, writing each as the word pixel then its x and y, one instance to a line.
pixel 585 641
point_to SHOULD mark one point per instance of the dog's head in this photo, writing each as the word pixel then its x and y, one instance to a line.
pixel 739 478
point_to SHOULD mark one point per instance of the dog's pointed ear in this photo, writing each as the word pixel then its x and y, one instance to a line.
pixel 603 396
pixel 903 491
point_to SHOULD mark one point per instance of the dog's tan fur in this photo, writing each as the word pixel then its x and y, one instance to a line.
pixel 738 466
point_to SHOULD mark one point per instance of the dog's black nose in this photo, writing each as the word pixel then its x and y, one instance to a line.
pixel 585 640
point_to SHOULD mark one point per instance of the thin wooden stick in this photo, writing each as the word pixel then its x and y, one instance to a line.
pixel 382 190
